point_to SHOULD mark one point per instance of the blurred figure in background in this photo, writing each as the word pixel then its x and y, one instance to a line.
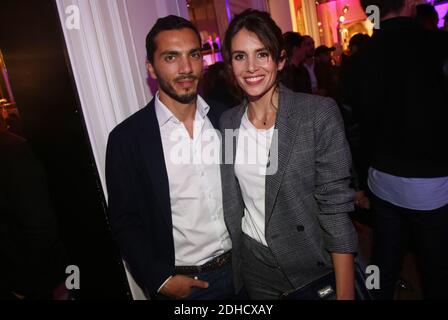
pixel 403 109
pixel 427 17
pixel 309 64
pixel 348 97
pixel 327 73
pixel 294 75
pixel 358 43
pixel 33 258
pixel 218 86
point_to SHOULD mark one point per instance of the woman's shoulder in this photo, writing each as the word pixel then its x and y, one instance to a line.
pixel 230 113
pixel 309 104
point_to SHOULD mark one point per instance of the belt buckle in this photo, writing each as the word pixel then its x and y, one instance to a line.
pixel 222 260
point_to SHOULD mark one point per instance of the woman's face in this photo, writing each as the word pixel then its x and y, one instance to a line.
pixel 253 66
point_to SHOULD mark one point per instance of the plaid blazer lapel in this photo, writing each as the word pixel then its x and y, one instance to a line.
pixel 284 138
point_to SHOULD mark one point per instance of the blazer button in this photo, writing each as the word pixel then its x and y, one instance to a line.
pixel 300 228
pixel 320 264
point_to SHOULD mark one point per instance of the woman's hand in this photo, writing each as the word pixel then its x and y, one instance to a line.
pixel 344 268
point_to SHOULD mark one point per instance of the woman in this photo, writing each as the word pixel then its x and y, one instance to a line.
pixel 287 214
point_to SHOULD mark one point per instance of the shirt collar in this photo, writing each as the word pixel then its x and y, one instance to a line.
pixel 164 115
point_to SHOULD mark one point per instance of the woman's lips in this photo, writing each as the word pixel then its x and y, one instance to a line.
pixel 254 80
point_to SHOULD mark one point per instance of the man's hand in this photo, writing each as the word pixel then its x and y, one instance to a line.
pixel 179 287
pixel 361 201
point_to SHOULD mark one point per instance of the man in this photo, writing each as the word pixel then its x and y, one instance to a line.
pixel 166 209
pixel 327 74
pixel 294 75
pixel 403 103
pixel 309 64
pixel 427 17
pixel 33 257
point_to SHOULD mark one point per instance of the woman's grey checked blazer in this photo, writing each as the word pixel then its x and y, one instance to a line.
pixel 308 198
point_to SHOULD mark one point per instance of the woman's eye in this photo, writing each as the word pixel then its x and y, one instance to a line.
pixel 263 55
pixel 238 57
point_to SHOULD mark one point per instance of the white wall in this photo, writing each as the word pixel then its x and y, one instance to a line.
pixel 107 54
pixel 281 13
pixel 142 15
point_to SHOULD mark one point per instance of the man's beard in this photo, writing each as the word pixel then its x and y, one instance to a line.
pixel 171 92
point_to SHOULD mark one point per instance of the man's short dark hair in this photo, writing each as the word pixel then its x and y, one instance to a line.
pixel 167 23
pixel 292 40
pixel 426 11
pixel 386 6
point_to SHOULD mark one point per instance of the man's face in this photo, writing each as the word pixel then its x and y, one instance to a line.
pixel 299 54
pixel 308 43
pixel 177 65
pixel 324 58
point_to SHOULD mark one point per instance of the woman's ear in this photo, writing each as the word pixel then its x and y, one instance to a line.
pixel 281 61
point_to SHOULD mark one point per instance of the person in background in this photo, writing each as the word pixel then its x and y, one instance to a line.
pixel 309 63
pixel 427 17
pixel 347 98
pixel 327 73
pixel 33 258
pixel 217 86
pixel 402 103
pixel 294 75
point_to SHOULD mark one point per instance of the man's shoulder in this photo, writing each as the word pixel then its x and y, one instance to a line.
pixel 132 124
pixel 216 107
pixel 12 145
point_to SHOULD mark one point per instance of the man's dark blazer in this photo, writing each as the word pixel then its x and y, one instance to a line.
pixel 139 196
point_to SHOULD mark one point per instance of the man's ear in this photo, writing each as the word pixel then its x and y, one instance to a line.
pixel 151 70
pixel 282 61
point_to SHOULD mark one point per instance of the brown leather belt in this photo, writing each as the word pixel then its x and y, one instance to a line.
pixel 212 265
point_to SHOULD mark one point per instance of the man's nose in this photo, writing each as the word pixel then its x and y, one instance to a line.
pixel 185 66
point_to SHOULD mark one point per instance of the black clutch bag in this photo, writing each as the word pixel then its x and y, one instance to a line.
pixel 324 288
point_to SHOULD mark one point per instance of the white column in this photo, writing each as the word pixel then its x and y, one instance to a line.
pixel 310 17
pixel 281 13
pixel 107 55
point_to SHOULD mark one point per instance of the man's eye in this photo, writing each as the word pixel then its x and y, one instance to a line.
pixel 196 55
pixel 169 58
